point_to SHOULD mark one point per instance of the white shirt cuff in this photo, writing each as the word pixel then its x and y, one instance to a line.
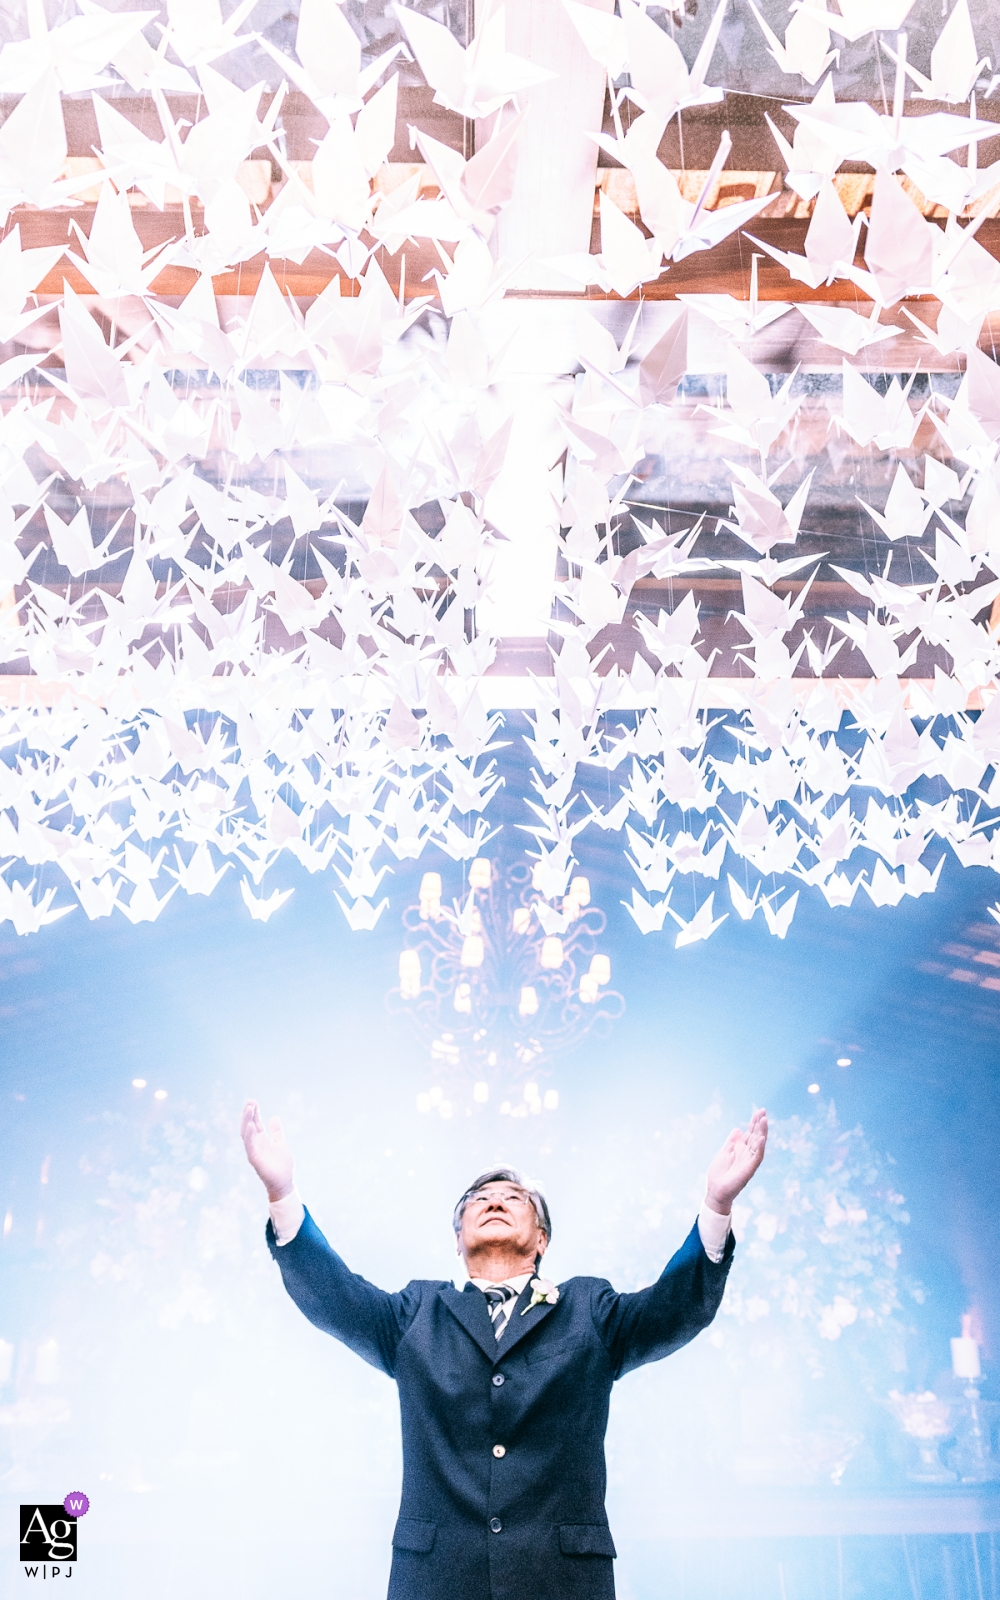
pixel 288 1215
pixel 714 1231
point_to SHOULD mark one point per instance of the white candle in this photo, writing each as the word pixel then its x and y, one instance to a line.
pixel 965 1358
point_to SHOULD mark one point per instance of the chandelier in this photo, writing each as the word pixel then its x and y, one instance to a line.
pixel 503 980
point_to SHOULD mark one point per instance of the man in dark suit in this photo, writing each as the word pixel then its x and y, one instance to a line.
pixel 504 1387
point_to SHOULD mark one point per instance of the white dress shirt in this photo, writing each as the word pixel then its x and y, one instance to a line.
pixel 713 1228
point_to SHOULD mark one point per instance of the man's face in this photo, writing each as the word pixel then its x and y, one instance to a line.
pixel 500 1213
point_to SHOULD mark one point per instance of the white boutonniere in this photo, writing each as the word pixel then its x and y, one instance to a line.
pixel 543 1293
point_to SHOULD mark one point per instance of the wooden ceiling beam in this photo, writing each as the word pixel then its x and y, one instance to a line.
pixel 722 270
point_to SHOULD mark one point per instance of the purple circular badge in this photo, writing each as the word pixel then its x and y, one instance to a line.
pixel 76 1504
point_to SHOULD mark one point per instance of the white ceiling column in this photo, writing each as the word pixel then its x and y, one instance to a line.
pixel 552 209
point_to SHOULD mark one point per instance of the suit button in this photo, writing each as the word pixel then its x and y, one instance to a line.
pixel 498 1380
pixel 495 1525
pixel 499 1450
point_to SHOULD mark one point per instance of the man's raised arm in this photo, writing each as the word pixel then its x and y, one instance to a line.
pixel 646 1326
pixel 339 1302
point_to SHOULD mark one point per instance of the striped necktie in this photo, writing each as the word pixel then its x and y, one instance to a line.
pixel 496 1298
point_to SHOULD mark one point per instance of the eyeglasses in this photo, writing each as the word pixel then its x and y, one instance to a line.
pixel 511 1198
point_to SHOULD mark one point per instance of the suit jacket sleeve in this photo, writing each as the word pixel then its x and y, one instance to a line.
pixel 648 1325
pixel 369 1321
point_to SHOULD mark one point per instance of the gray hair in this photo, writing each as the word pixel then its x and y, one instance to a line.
pixel 507 1175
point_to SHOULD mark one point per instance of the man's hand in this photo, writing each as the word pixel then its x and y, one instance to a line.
pixel 736 1163
pixel 267 1152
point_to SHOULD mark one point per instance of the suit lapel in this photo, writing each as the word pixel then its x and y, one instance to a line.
pixel 469 1307
pixel 521 1321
